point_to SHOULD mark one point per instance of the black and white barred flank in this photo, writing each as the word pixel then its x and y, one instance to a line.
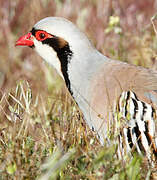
pixel 138 132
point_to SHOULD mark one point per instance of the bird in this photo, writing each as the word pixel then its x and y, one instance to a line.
pixel 115 97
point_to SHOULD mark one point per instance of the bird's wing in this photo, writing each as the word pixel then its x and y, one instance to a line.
pixel 123 91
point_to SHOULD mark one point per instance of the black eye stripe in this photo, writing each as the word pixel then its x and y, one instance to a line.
pixel 33 31
pixel 64 54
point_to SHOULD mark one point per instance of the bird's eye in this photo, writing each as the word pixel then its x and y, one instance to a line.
pixel 42 35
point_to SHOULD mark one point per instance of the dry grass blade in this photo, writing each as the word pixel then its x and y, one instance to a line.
pixel 55 163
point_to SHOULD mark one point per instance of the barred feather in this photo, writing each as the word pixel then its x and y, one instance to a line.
pixel 139 132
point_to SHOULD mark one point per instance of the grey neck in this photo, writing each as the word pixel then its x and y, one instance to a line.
pixel 81 71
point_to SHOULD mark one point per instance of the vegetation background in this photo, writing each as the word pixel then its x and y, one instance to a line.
pixel 42 133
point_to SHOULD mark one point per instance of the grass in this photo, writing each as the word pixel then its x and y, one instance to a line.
pixel 42 132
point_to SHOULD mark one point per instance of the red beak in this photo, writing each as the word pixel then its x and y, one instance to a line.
pixel 26 40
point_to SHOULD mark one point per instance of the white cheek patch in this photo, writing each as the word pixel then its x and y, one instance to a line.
pixel 49 55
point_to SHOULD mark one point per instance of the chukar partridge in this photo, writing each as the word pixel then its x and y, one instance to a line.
pixel 115 97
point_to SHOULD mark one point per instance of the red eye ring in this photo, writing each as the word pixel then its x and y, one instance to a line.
pixel 42 35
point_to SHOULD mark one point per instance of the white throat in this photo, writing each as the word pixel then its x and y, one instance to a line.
pixel 49 55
